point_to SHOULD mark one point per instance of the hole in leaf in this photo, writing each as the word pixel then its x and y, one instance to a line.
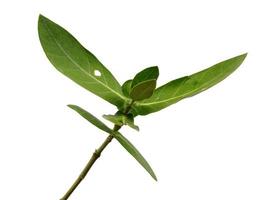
pixel 97 73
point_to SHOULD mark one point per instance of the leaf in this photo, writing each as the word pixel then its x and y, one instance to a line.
pixel 131 124
pixel 188 86
pixel 144 84
pixel 126 88
pixel 92 119
pixel 150 73
pixel 121 119
pixel 135 153
pixel 143 90
pixel 77 63
pixel 117 120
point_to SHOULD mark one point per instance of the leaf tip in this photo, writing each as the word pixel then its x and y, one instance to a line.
pixel 155 178
pixel 41 18
pixel 244 55
pixel 71 106
pixel 240 59
pixel 105 116
pixel 156 68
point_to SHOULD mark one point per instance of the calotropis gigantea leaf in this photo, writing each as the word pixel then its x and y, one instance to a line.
pixel 92 119
pixel 135 153
pixel 188 86
pixel 117 120
pixel 149 73
pixel 77 63
pixel 131 124
pixel 126 88
pixel 118 136
pixel 144 83
pixel 143 90
pixel 122 119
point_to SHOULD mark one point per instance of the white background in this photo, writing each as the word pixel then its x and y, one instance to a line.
pixel 211 146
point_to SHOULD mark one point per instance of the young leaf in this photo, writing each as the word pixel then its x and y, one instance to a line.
pixel 188 86
pixel 121 119
pixel 135 153
pixel 126 88
pixel 143 90
pixel 92 119
pixel 150 73
pixel 131 124
pixel 117 120
pixel 144 84
pixel 77 63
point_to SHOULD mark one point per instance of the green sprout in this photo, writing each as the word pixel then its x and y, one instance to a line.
pixel 137 96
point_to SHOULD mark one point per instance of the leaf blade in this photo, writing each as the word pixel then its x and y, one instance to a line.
pixel 188 86
pixel 135 153
pixel 77 63
pixel 144 83
pixel 143 90
pixel 150 73
pixel 121 119
pixel 117 120
pixel 90 118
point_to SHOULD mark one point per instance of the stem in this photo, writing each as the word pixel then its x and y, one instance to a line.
pixel 90 163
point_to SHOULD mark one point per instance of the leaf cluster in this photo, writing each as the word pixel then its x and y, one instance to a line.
pixel 136 96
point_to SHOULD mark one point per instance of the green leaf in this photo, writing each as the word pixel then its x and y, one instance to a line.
pixel 150 73
pixel 122 119
pixel 144 84
pixel 143 90
pixel 126 88
pixel 92 119
pixel 188 86
pixel 77 63
pixel 135 153
pixel 117 120
pixel 131 124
